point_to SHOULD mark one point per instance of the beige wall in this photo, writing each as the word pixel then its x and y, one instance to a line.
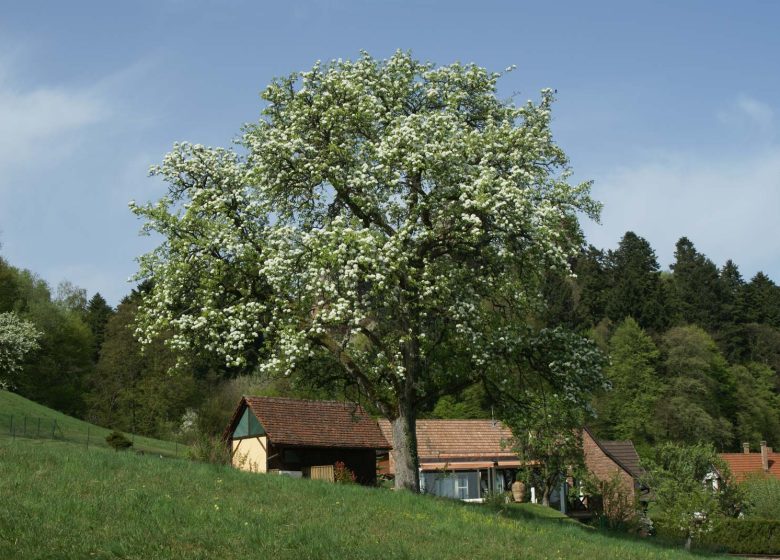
pixel 251 454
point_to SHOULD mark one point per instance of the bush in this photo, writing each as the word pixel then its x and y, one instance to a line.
pixel 613 503
pixel 762 497
pixel 736 536
pixel 209 449
pixel 746 536
pixel 342 474
pixel 118 441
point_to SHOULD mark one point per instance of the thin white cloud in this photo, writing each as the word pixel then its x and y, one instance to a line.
pixel 727 207
pixel 746 112
pixel 42 124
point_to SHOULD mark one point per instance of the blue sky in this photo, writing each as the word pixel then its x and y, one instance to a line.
pixel 670 107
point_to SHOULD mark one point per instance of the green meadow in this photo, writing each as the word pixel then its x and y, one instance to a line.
pixel 58 501
pixel 19 418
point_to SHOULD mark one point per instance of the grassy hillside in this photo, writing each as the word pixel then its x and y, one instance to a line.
pixel 59 502
pixel 21 416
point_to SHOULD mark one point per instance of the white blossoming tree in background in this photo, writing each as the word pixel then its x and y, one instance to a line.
pixel 17 338
pixel 393 215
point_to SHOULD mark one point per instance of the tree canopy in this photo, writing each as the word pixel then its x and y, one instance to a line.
pixel 393 215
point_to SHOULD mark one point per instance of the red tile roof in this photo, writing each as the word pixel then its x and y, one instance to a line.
pixel 313 423
pixel 744 464
pixel 439 442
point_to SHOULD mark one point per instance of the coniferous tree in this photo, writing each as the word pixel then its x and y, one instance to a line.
pixel 696 285
pixel 634 283
pixel 590 288
pixel 762 300
pixel 97 315
pixel 732 294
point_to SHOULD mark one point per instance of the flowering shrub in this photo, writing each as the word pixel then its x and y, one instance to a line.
pixel 17 338
pixel 342 474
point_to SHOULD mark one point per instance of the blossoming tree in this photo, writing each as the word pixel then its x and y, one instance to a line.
pixel 394 215
pixel 18 337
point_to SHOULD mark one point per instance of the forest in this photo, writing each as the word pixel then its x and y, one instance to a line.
pixel 693 354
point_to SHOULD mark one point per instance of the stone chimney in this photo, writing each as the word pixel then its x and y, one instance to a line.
pixel 746 448
pixel 764 457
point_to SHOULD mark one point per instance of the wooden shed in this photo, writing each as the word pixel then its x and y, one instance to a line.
pixel 304 438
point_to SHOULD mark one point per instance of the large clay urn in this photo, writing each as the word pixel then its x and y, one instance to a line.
pixel 518 491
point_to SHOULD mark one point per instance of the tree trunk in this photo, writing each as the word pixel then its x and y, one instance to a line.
pixel 688 543
pixel 407 473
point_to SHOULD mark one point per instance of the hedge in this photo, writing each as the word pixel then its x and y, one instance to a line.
pixel 737 536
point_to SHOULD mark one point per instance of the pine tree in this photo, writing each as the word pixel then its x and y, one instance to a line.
pixel 97 315
pixel 696 285
pixel 634 283
pixel 590 288
pixel 762 300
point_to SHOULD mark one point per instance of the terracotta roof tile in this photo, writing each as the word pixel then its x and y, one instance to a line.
pixel 315 423
pixel 744 464
pixel 459 439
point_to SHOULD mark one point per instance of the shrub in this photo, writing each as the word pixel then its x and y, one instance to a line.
pixel 342 474
pixel 498 501
pixel 118 441
pixel 733 535
pixel 613 502
pixel 762 497
pixel 209 449
pixel 746 536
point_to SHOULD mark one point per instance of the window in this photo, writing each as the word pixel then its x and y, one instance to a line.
pixel 462 487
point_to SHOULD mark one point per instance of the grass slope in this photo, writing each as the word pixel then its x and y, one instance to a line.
pixel 67 428
pixel 59 502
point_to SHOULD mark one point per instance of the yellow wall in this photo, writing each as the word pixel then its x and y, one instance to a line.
pixel 251 454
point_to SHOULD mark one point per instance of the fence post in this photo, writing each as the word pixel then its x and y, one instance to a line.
pixel 53 426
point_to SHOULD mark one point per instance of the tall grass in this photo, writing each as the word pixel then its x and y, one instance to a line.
pixel 58 502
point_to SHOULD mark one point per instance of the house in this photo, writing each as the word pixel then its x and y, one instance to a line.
pixel 764 463
pixel 304 438
pixel 463 459
pixel 605 460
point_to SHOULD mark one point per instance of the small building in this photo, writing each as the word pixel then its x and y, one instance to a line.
pixel 605 459
pixel 743 465
pixel 462 459
pixel 304 438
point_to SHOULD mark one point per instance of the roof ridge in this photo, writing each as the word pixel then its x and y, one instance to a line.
pixel 293 399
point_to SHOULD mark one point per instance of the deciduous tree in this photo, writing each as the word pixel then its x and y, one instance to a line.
pixel 392 214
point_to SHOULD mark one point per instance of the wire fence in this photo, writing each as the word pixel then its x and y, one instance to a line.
pixel 13 426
